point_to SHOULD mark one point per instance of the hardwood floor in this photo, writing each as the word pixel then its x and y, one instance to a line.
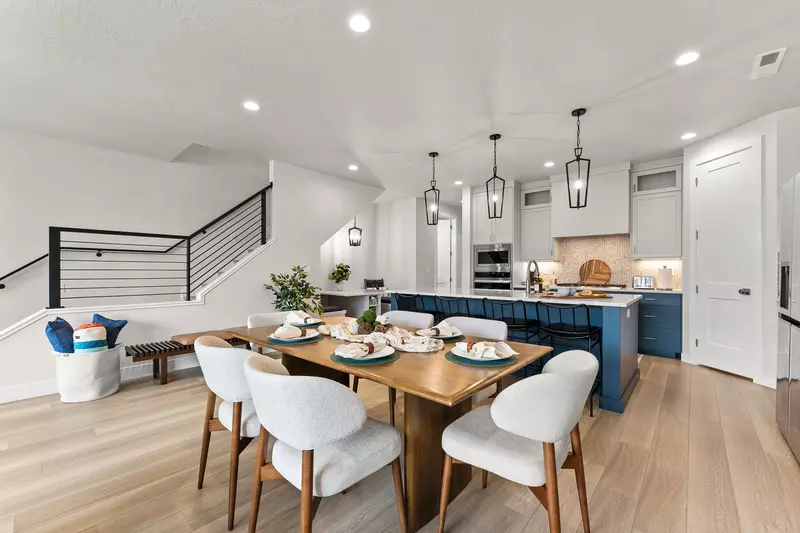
pixel 696 451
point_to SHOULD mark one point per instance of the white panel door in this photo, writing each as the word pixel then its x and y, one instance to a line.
pixel 728 257
pixel 537 243
pixel 444 255
pixel 656 230
pixel 481 225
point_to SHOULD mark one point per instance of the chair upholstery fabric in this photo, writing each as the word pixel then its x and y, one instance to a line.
pixel 409 319
pixel 267 319
pixel 250 423
pixel 223 368
pixel 304 412
pixel 546 407
pixel 341 464
pixel 475 439
pixel 480 327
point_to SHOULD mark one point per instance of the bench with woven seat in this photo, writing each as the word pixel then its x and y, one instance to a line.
pixel 160 352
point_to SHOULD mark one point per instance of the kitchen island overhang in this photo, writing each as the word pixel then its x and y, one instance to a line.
pixel 618 316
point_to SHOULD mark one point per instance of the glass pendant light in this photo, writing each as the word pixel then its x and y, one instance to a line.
pixel 578 171
pixel 495 186
pixel 432 196
pixel 355 234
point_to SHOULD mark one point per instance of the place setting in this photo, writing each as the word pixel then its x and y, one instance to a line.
pixel 364 354
pixel 443 332
pixel 482 354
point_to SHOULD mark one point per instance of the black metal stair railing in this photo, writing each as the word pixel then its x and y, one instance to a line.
pixel 93 266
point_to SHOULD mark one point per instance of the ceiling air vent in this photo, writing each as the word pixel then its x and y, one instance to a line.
pixel 767 64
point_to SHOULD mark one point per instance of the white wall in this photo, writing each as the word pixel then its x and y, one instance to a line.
pixel 308 207
pixel 426 249
pixel 46 182
pixel 362 259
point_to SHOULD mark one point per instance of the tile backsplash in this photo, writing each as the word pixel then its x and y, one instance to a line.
pixel 615 250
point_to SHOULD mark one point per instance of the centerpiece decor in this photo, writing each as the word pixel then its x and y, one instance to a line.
pixel 368 323
pixel 578 170
pixel 293 291
pixel 495 186
pixel 340 274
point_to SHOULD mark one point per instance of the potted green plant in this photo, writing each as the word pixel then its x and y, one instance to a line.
pixel 293 292
pixel 340 274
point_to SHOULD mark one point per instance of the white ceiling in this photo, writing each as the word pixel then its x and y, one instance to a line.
pixel 154 77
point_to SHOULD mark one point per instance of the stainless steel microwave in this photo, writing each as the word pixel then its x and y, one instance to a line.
pixel 493 258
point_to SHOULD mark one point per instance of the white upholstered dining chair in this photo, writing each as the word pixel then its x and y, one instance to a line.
pixel 526 434
pixel 495 330
pixel 324 442
pixel 266 319
pixel 223 370
pixel 405 320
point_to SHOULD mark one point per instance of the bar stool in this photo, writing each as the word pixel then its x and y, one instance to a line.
pixel 447 306
pixel 569 325
pixel 408 302
pixel 520 329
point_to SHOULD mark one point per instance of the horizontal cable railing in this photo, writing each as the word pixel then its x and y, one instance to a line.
pixel 104 266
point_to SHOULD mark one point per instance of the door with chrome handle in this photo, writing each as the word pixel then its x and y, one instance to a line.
pixel 744 292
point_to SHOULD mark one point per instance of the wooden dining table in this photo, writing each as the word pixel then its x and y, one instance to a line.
pixel 437 392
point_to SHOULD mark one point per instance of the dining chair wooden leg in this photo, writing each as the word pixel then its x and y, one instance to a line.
pixel 236 428
pixel 392 403
pixel 258 483
pixel 446 476
pixel 355 384
pixel 211 401
pixel 484 478
pixel 307 492
pixel 551 485
pixel 400 494
pixel 580 476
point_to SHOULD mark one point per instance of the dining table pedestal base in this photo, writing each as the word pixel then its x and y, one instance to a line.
pixel 425 421
pixel 301 367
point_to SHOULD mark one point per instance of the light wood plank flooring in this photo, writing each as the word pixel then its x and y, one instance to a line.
pixel 696 451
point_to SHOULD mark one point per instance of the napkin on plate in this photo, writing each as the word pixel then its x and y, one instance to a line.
pixel 299 317
pixel 289 332
pixel 358 350
pixel 486 350
pixel 442 329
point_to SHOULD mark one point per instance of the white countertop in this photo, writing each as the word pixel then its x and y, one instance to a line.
pixel 629 289
pixel 616 300
pixel 352 293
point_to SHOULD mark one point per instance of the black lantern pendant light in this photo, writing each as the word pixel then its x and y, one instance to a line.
pixel 578 171
pixel 355 234
pixel 432 196
pixel 495 186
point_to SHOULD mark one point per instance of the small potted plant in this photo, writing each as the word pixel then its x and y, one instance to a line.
pixel 340 275
pixel 293 292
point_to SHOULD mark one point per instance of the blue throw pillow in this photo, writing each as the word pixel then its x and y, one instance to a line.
pixel 113 327
pixel 59 333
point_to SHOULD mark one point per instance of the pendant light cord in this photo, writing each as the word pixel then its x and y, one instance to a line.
pixel 433 178
pixel 495 157
pixel 579 132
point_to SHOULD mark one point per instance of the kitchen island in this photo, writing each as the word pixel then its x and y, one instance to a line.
pixel 617 315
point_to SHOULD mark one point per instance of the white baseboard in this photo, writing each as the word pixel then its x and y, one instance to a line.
pixel 145 368
pixel 12 393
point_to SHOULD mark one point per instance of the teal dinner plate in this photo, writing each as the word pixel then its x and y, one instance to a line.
pixel 453 358
pixel 311 325
pixel 454 338
pixel 301 341
pixel 365 362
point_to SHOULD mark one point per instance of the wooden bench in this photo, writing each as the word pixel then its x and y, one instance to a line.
pixel 159 352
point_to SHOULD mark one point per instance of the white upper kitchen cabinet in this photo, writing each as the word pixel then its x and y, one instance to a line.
pixel 537 242
pixel 608 204
pixel 495 230
pixel 656 231
pixel 649 178
pixel 481 225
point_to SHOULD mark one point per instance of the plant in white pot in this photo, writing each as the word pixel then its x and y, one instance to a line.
pixel 340 275
pixel 293 292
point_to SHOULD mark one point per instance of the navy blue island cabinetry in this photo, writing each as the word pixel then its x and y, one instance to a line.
pixel 660 323
pixel 619 317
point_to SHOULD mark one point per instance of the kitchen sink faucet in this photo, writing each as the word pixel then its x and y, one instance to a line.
pixel 536 274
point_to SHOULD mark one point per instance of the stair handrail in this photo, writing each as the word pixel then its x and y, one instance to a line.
pixel 23 267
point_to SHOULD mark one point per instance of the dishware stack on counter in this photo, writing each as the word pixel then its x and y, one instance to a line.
pixel 301 319
pixel 290 334
pixel 442 331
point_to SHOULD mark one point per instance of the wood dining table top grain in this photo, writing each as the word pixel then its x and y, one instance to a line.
pixel 427 375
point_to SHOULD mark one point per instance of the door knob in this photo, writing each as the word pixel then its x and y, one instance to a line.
pixel 744 292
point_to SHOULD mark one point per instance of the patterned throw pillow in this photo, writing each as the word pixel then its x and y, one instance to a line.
pixel 90 338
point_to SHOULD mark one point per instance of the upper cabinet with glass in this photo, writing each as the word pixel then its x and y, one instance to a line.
pixel 536 198
pixel 656 180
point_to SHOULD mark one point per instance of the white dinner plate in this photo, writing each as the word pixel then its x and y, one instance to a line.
pixel 463 353
pixel 383 352
pixel 310 334
pixel 456 333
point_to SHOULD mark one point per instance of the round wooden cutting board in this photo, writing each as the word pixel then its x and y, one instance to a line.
pixel 594 272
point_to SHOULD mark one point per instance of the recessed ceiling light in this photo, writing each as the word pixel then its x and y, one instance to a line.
pixel 549 164
pixel 353 167
pixel 688 57
pixel 359 23
pixel 687 136
pixel 251 105
pixel 459 182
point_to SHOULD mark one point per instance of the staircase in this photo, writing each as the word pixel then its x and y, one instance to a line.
pixel 93 267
